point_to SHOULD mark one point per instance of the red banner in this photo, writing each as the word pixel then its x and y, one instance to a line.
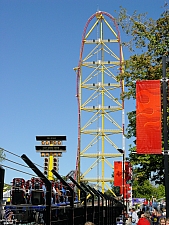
pixel 127 191
pixel 148 117
pixel 128 171
pixel 117 173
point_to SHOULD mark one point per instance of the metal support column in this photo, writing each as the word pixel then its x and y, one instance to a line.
pixel 92 195
pixel 2 176
pixel 84 199
pixel 165 133
pixel 123 173
pixel 98 221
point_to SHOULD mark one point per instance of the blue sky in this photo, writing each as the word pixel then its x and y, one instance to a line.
pixel 39 47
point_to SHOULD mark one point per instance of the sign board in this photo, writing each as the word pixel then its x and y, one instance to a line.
pixel 138 200
pixel 51 138
pixel 48 148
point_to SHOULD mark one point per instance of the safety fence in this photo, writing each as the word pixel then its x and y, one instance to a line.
pixel 93 205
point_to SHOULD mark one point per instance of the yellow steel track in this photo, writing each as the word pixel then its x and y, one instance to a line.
pixel 101 111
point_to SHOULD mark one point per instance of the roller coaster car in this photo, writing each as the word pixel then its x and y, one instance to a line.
pixel 18 194
pixel 37 192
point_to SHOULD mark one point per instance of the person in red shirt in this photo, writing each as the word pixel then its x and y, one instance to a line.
pixel 143 221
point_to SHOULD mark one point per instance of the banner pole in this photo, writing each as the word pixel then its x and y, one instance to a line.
pixel 165 134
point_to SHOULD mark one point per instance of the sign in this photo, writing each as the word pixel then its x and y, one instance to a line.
pixel 48 148
pixel 117 173
pixel 51 138
pixel 138 200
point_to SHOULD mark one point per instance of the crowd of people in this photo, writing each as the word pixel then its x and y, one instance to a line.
pixel 156 217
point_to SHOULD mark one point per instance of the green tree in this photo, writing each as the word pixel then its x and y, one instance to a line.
pixel 147 190
pixel 148 41
pixel 160 191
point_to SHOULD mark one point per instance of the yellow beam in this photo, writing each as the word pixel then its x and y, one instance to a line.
pixel 50 174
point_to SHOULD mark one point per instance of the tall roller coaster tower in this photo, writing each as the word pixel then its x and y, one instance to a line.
pixel 100 108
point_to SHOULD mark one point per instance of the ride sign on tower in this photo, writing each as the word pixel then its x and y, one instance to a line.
pixel 51 148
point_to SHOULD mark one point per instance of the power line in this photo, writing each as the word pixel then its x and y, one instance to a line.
pixel 14 162
pixel 16 156
pixel 9 152
pixel 33 175
pixel 17 170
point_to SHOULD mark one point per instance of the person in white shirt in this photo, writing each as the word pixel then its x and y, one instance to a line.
pixel 134 217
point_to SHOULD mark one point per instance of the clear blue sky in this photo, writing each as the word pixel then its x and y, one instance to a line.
pixel 39 47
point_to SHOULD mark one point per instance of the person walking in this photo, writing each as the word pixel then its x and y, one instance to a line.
pixel 134 217
pixel 154 217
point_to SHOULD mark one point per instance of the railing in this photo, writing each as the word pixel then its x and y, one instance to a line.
pixel 99 208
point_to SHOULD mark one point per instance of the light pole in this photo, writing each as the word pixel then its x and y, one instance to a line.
pixel 165 133
pixel 123 172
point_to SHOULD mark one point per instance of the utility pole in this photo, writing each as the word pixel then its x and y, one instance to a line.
pixel 2 176
pixel 123 170
pixel 123 178
pixel 165 133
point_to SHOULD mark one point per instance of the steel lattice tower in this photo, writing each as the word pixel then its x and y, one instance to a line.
pixel 100 108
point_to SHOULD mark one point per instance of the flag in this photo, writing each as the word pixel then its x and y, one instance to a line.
pixel 128 171
pixel 117 173
pixel 148 117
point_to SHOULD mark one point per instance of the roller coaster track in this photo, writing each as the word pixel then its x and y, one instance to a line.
pixel 100 108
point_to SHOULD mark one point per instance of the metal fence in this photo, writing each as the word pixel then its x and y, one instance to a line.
pixel 101 209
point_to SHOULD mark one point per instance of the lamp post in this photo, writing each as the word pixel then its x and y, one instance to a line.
pixel 164 82
pixel 123 172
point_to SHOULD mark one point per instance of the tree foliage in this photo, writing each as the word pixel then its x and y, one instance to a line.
pixel 147 190
pixel 148 42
